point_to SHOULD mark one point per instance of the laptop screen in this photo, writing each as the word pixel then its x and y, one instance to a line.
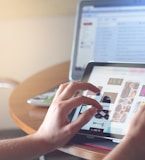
pixel 108 31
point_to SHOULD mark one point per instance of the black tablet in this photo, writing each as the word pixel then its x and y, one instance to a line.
pixel 122 92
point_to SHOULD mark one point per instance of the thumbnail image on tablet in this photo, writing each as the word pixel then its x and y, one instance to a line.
pixel 122 92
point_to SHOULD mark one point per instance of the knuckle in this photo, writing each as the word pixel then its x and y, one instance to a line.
pixel 61 86
pixel 82 97
pixel 70 130
pixel 72 84
pixel 86 100
pixel 59 104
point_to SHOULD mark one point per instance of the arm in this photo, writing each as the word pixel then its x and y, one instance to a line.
pixel 132 147
pixel 56 130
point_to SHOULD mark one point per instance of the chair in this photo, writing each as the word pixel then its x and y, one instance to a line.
pixel 8 83
pixel 6 87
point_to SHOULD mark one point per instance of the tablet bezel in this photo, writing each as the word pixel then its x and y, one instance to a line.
pixel 84 134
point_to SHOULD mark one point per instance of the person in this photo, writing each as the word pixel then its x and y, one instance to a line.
pixel 56 130
pixel 132 146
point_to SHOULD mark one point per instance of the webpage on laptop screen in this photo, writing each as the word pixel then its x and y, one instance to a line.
pixel 111 34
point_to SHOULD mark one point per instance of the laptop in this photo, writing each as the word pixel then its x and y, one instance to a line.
pixel 105 31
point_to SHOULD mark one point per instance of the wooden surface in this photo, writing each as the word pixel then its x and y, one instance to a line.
pixel 29 118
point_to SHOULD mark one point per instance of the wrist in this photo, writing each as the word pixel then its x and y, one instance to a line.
pixel 128 149
pixel 135 147
pixel 42 145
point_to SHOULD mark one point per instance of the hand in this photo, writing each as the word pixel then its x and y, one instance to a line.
pixel 136 128
pixel 132 147
pixel 136 133
pixel 56 130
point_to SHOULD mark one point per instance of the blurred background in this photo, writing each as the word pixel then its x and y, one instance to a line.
pixel 34 34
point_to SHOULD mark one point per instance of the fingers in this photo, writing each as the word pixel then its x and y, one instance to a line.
pixel 140 112
pixel 68 90
pixel 66 100
pixel 141 109
pixel 77 101
pixel 138 121
pixel 60 89
pixel 82 120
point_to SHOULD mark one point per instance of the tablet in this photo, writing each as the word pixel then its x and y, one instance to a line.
pixel 122 92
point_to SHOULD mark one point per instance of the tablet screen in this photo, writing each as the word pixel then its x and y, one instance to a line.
pixel 122 92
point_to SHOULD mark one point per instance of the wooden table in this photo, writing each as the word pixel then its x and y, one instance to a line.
pixel 29 118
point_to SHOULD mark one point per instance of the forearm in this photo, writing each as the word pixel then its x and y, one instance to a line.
pixel 126 150
pixel 28 147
